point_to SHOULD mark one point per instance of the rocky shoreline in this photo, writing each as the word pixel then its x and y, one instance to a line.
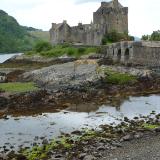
pixel 61 99
pixel 93 144
pixel 61 85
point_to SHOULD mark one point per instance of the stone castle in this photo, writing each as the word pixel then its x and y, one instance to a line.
pixel 110 16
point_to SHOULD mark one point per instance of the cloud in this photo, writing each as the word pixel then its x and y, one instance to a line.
pixel 86 1
pixel 143 14
pixel 21 4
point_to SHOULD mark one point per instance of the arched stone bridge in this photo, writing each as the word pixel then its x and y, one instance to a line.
pixel 144 53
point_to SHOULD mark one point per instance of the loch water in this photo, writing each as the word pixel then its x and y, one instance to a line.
pixel 4 57
pixel 21 130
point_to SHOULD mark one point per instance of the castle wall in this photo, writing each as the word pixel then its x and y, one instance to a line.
pixel 60 34
pixel 110 16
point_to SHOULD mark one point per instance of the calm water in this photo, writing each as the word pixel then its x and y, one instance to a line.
pixel 4 57
pixel 22 130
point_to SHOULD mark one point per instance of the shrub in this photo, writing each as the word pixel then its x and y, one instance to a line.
pixel 114 36
pixel 119 78
pixel 46 50
pixel 71 51
pixel 42 46
pixel 81 50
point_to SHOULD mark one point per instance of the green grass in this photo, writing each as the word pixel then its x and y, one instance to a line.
pixel 150 126
pixel 61 50
pixel 119 78
pixel 18 87
pixel 41 152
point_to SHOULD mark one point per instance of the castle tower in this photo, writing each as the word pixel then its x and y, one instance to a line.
pixel 113 16
pixel 115 3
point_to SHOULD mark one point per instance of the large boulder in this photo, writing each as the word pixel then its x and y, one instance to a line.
pixel 65 75
pixel 3 102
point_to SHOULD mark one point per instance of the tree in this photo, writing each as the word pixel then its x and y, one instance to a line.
pixel 114 36
pixel 155 36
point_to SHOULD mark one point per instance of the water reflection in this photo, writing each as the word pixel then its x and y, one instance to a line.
pixel 17 128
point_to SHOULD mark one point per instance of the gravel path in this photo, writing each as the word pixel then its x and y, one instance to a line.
pixel 146 148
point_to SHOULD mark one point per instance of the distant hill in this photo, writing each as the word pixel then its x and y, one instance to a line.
pixel 17 38
pixel 39 34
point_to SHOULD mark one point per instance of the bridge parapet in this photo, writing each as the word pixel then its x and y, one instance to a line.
pixel 139 53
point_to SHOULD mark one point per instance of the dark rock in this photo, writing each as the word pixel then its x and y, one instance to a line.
pixel 82 155
pixel 58 156
pixel 77 132
pixel 3 102
pixel 128 137
pixel 89 157
pixel 45 142
pixel 126 119
pixel 157 129
pixel 101 148
pixel 138 135
pixel 21 157
pixel 117 144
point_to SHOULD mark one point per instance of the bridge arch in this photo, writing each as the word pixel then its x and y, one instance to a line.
pixel 119 54
pixel 126 54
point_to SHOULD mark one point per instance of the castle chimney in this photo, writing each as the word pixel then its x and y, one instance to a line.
pixel 64 21
pixel 80 24
pixel 53 25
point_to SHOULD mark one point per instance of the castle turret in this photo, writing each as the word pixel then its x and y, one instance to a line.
pixel 53 25
pixel 64 22
pixel 115 3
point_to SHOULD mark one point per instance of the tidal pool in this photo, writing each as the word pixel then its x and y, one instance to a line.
pixel 22 131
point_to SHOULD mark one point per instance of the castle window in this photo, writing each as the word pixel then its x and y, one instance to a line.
pixel 102 11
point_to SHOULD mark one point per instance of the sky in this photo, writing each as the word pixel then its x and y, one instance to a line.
pixel 143 14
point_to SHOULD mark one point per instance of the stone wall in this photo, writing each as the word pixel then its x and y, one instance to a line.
pixel 147 53
pixel 137 53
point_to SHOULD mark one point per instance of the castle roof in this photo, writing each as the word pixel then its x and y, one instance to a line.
pixel 58 25
pixel 112 4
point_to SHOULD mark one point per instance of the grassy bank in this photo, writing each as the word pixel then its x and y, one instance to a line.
pixel 18 87
pixel 117 78
pixel 46 50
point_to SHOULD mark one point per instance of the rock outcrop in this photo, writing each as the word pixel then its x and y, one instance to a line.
pixel 66 75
